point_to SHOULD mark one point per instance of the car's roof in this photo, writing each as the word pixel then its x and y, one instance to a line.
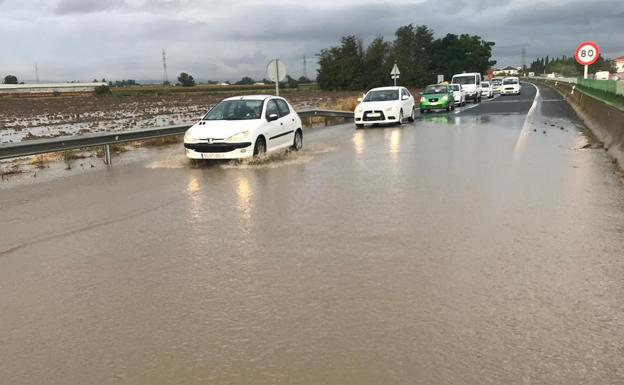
pixel 438 85
pixel 468 74
pixel 251 97
pixel 392 88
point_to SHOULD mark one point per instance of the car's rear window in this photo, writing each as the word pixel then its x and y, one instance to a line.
pixel 510 81
pixel 485 84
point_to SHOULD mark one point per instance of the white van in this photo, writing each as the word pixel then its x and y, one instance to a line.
pixel 471 84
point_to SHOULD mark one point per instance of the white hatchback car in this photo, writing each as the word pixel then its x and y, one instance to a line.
pixel 385 105
pixel 487 90
pixel 459 95
pixel 244 126
pixel 511 86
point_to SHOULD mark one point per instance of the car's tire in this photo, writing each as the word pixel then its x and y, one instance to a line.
pixel 413 115
pixel 400 121
pixel 448 107
pixel 453 107
pixel 422 110
pixel 297 141
pixel 259 147
pixel 358 125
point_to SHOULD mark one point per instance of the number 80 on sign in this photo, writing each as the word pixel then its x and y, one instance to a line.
pixel 587 53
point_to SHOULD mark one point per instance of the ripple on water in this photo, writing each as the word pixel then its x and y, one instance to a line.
pixel 177 159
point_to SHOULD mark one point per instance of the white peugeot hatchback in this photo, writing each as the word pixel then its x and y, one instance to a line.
pixel 244 126
pixel 385 105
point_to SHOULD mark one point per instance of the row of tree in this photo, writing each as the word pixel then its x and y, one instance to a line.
pixel 10 79
pixel 567 66
pixel 419 56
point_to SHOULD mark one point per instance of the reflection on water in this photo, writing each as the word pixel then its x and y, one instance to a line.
pixel 244 204
pixel 192 191
pixel 358 141
pixel 440 119
pixel 395 141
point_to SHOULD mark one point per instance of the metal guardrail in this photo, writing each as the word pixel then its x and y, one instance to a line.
pixel 555 80
pixel 64 143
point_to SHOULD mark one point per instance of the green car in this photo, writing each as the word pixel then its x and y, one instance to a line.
pixel 437 97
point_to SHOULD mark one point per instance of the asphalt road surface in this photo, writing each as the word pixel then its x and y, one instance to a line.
pixel 481 246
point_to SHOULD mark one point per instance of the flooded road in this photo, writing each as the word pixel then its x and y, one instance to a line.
pixel 478 247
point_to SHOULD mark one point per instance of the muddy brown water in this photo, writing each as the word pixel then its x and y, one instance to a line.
pixel 459 250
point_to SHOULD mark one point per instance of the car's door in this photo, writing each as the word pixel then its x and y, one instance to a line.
pixel 408 104
pixel 288 123
pixel 273 126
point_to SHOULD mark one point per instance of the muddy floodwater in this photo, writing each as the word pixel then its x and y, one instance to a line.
pixel 468 248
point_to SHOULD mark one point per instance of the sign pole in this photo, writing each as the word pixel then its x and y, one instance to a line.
pixel 277 80
pixel 394 80
pixel 586 71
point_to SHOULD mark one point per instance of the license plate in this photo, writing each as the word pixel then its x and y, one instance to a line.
pixel 375 115
pixel 211 155
pixel 433 102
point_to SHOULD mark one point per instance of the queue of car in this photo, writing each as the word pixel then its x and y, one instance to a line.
pixel 247 126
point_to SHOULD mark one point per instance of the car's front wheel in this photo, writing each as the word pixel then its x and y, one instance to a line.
pixel 259 147
pixel 400 121
pixel 298 141
pixel 413 115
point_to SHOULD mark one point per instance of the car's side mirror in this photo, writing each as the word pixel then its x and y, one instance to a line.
pixel 359 100
pixel 272 117
pixel 405 97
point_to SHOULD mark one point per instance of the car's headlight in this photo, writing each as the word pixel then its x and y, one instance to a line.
pixel 389 109
pixel 238 137
pixel 445 97
pixel 422 99
pixel 358 110
pixel 189 138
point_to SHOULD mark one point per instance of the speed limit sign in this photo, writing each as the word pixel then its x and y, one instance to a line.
pixel 587 53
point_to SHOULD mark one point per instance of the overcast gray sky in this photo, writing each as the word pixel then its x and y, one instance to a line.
pixel 218 39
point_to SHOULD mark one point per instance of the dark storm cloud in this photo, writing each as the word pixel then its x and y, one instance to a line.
pixel 66 7
pixel 219 39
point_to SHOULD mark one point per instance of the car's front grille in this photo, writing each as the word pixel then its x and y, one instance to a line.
pixel 368 118
pixel 433 100
pixel 216 147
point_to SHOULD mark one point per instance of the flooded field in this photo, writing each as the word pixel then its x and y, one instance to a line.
pixel 23 119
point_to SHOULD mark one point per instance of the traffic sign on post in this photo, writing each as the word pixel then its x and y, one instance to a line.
pixel 395 73
pixel 276 71
pixel 587 53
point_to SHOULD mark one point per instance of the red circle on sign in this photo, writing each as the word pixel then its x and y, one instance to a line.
pixel 587 53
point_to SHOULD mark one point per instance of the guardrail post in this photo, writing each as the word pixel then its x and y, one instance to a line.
pixel 107 155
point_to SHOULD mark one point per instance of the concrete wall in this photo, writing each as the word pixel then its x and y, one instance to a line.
pixel 49 88
pixel 605 121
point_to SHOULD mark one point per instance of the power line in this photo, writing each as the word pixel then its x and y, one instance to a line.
pixel 305 67
pixel 164 60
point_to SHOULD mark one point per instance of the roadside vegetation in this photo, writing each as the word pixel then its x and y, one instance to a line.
pixel 419 56
pixel 568 67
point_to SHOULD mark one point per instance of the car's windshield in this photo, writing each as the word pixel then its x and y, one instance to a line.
pixel 435 89
pixel 470 79
pixel 236 110
pixel 510 81
pixel 485 84
pixel 496 82
pixel 455 87
pixel 382 96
